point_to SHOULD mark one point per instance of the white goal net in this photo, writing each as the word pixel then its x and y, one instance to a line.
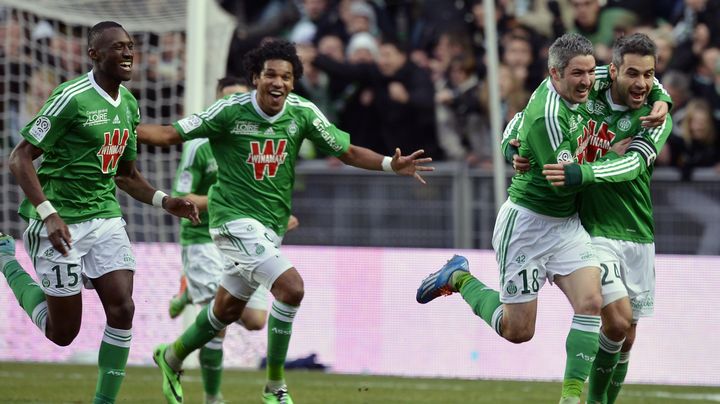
pixel 43 42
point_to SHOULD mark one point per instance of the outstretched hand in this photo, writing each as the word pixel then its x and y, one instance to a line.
pixel 58 234
pixel 411 165
pixel 182 208
pixel 555 173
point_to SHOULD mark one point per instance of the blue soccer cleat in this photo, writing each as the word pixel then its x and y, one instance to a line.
pixel 438 283
pixel 7 245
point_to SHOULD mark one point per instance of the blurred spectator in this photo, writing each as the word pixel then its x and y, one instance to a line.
pixel 403 97
pixel 457 110
pixel 599 25
pixel 357 114
pixel 256 20
pixel 677 84
pixel 700 139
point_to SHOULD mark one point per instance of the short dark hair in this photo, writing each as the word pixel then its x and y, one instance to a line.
pixel 635 44
pixel 228 81
pixel 97 30
pixel 274 49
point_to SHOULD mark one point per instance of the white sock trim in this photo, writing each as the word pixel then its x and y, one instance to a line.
pixel 39 316
pixel 624 357
pixel 117 336
pixel 216 324
pixel 215 344
pixel 497 320
pixel 608 345
pixel 586 323
pixel 283 312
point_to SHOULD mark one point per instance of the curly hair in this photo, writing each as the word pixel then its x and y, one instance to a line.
pixel 274 49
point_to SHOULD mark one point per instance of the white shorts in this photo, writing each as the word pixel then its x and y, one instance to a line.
pixel 531 248
pixel 628 270
pixel 99 246
pixel 252 256
pixel 203 266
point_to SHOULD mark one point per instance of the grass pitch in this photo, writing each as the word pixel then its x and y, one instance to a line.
pixel 60 384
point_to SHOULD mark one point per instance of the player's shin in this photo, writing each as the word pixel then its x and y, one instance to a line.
pixel 581 347
pixel 211 366
pixel 618 378
pixel 204 329
pixel 484 301
pixel 279 333
pixel 112 359
pixel 603 368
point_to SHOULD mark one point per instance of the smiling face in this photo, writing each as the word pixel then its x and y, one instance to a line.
pixel 576 80
pixel 112 54
pixel 632 80
pixel 273 84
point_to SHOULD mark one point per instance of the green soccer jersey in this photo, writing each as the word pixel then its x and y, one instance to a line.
pixel 83 134
pixel 618 205
pixel 256 154
pixel 195 175
pixel 548 130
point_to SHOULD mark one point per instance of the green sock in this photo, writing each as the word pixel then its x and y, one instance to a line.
pixel 211 366
pixel 581 347
pixel 112 359
pixel 603 368
pixel 483 300
pixel 27 292
pixel 204 329
pixel 618 377
pixel 279 333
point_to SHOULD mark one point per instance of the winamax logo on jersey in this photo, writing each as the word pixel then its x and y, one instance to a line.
pixel 594 142
pixel 266 161
pixel 113 148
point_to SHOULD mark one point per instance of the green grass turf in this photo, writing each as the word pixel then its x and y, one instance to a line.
pixel 53 383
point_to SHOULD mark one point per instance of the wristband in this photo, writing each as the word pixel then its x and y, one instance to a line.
pixel 386 164
pixel 158 198
pixel 45 209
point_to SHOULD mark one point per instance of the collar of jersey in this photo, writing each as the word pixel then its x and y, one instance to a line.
pixel 114 103
pixel 260 112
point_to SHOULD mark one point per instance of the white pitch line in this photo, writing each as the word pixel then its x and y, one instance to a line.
pixel 681 396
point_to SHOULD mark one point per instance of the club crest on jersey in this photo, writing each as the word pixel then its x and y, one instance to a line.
pixel 40 128
pixel 113 148
pixel 97 117
pixel 266 161
pixel 594 142
pixel 624 123
pixel 293 128
pixel 190 123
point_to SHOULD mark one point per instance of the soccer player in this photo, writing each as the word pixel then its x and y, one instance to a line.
pixel 202 260
pixel 86 133
pixel 538 236
pixel 255 138
pixel 618 214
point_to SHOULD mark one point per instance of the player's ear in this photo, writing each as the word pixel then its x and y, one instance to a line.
pixel 92 53
pixel 613 72
pixel 255 79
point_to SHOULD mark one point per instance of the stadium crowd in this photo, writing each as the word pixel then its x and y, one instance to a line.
pixel 406 72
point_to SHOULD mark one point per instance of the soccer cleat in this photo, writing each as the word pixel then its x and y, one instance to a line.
pixel 214 399
pixel 279 396
pixel 7 245
pixel 438 283
pixel 177 304
pixel 172 389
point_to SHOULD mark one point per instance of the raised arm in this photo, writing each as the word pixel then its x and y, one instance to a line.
pixel 22 168
pixel 411 165
pixel 130 180
pixel 158 135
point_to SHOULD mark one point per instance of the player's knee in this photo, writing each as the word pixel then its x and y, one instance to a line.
pixel 590 305
pixel 292 294
pixel 228 313
pixel 62 337
pixel 518 335
pixel 121 313
pixel 616 327
pixel 253 320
